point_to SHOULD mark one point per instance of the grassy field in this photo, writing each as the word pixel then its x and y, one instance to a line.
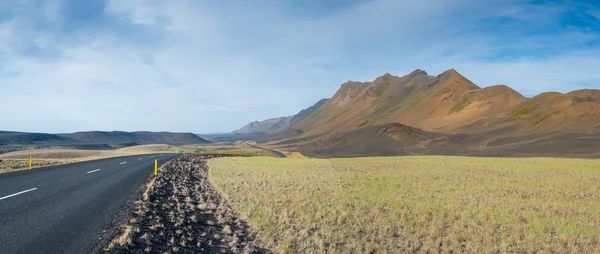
pixel 417 204
pixel 236 148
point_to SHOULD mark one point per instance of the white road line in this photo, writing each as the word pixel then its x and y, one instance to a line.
pixel 151 156
pixel 18 193
pixel 123 162
pixel 93 171
pixel 140 159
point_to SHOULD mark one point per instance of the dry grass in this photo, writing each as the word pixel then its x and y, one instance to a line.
pixel 57 154
pixel 240 148
pixel 417 204
pixel 18 160
pixel 293 155
pixel 268 151
pixel 215 146
pixel 124 239
pixel 151 149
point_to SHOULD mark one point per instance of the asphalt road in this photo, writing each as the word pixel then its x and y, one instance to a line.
pixel 64 209
pixel 277 153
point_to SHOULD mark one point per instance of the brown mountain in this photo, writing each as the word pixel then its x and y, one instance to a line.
pixel 274 124
pixel 455 116
pixel 444 103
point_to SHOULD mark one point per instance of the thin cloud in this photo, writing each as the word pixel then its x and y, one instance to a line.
pixel 214 66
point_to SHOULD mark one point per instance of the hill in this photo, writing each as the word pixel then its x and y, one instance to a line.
pixel 265 126
pixel 23 138
pixel 97 139
pixel 379 140
pixel 141 137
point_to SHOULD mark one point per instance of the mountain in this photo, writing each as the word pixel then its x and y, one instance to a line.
pixel 272 125
pixel 449 103
pixel 265 126
pixel 23 138
pixel 140 137
pixel 456 115
pixel 303 114
pixel 97 138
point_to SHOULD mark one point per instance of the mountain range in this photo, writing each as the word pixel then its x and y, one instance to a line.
pixel 97 139
pixel 275 124
pixel 444 114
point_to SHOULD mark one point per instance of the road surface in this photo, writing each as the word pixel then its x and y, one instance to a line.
pixel 277 153
pixel 64 209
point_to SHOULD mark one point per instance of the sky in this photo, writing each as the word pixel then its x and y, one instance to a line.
pixel 214 66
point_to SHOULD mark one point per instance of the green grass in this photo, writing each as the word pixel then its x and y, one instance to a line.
pixel 337 114
pixel 278 126
pixel 464 101
pixel 366 123
pixel 316 112
pixel 378 90
pixel 522 111
pixel 492 92
pixel 417 204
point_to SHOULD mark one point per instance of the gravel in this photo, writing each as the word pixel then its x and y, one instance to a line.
pixel 181 212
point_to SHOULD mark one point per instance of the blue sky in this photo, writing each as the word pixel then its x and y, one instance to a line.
pixel 213 66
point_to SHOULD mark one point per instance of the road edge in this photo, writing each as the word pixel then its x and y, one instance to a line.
pixel 121 218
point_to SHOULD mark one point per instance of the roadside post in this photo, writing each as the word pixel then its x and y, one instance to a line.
pixel 155 167
pixel 30 162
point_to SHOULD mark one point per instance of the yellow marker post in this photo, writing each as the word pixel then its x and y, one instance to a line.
pixel 155 167
pixel 30 162
pixel 141 151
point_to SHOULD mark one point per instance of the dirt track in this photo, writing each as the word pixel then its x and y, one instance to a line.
pixel 181 212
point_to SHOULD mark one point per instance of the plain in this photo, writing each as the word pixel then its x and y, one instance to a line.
pixel 417 203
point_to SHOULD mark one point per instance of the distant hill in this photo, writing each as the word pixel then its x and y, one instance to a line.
pixel 23 138
pixel 98 139
pixel 141 137
pixel 275 124
pixel 266 126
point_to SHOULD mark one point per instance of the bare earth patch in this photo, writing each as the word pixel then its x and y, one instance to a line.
pixel 181 212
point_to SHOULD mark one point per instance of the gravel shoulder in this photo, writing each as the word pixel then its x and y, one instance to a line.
pixel 181 212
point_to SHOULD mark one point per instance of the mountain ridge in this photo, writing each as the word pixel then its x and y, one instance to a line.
pixel 9 138
pixel 457 114
pixel 273 124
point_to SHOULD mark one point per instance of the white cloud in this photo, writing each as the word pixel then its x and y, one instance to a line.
pixel 203 67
